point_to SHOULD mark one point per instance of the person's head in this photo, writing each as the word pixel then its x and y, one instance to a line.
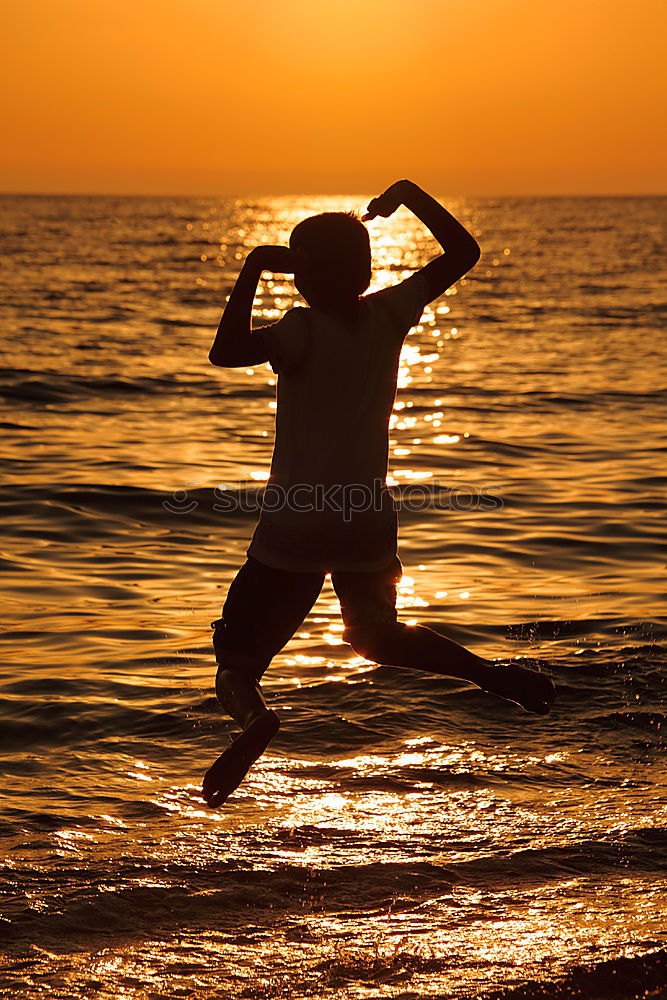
pixel 333 258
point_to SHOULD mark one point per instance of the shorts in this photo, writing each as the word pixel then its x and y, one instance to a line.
pixel 323 539
pixel 265 606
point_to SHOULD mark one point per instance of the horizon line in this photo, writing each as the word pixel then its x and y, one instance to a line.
pixel 317 194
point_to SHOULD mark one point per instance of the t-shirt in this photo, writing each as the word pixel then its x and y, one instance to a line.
pixel 326 505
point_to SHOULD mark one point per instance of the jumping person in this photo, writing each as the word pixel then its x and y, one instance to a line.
pixel 326 507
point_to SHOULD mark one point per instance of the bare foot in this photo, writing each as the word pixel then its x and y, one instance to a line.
pixel 531 689
pixel 231 767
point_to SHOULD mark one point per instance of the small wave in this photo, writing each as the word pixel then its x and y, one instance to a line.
pixel 183 509
pixel 54 388
pixel 176 510
pixel 112 898
pixel 558 629
pixel 70 724
pixel 646 720
pixel 641 977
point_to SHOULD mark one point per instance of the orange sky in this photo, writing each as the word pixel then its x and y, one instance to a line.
pixel 271 96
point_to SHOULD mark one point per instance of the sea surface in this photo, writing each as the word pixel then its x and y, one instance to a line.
pixel 405 836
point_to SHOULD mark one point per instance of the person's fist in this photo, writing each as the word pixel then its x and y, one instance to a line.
pixel 273 258
pixel 386 203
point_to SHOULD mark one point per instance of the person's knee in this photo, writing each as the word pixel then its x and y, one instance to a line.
pixel 231 653
pixel 240 695
pixel 373 640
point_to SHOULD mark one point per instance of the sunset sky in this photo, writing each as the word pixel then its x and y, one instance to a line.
pixel 333 96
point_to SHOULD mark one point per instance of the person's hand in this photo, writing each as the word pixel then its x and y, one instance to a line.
pixel 386 203
pixel 274 258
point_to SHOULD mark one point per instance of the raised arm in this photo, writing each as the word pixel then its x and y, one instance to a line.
pixel 236 344
pixel 461 250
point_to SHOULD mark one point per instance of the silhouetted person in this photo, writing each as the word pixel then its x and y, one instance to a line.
pixel 326 507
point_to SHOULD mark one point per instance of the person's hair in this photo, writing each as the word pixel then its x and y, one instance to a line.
pixel 334 255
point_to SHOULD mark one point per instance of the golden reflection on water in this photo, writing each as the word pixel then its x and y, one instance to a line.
pixel 126 611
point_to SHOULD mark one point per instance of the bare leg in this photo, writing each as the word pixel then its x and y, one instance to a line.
pixel 263 609
pixel 421 648
pixel 242 698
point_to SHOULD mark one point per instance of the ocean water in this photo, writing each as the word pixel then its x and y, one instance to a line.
pixel 405 836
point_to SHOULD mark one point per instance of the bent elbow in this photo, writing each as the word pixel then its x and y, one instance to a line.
pixel 216 359
pixel 474 254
